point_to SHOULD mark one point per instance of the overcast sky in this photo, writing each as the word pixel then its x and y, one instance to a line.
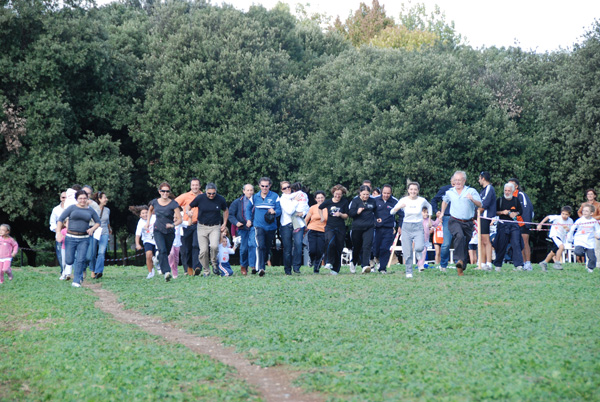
pixel 531 24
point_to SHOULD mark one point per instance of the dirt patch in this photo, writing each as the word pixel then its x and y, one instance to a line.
pixel 272 383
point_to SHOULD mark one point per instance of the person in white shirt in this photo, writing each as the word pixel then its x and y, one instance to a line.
pixel 294 207
pixel 144 236
pixel 561 224
pixel 583 234
pixel 412 226
pixel 56 213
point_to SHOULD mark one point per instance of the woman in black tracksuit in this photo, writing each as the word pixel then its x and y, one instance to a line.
pixel 362 211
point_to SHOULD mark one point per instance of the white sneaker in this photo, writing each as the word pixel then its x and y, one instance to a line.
pixel 76 285
pixel 498 269
pixel 421 269
pixel 409 275
pixel 486 267
pixel 62 277
pixel 377 267
pixel 442 269
pixel 590 270
pixel 150 274
pixel 352 268
pixel 328 266
pixel 366 270
pixel 332 272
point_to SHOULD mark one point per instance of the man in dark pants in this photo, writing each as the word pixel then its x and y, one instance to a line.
pixel 508 209
pixel 526 216
pixel 463 201
pixel 189 240
pixel 384 227
pixel 445 249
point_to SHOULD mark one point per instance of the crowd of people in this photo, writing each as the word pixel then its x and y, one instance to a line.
pixel 194 226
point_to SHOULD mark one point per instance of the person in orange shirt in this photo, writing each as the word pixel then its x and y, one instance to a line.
pixel 316 232
pixel 189 241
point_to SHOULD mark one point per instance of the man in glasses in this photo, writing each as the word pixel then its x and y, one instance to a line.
pixel 189 240
pixel 56 213
pixel 210 225
pixel 266 210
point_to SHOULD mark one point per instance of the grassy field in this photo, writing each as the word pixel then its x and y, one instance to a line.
pixel 503 336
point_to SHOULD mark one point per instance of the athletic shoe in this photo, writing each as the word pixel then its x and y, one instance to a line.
pixel 332 272
pixel 544 266
pixel 366 270
pixel 328 266
pixel 383 272
pixel 519 268
pixel 254 271
pixel 76 285
pixel 99 275
pixel 216 271
pixel 261 272
pixel 487 267
pixel 527 266
pixel 159 271
pixel 352 268
pixel 150 274
pixel 421 269
pixel 174 276
pixel 590 270
pixel 557 265
pixel 168 276
pixel 378 267
pixel 409 275
pixel 498 269
pixel 155 261
pixel 62 277
pixel 197 271
pixel 442 269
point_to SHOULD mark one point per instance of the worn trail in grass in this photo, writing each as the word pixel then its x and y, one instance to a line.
pixel 487 335
pixel 273 384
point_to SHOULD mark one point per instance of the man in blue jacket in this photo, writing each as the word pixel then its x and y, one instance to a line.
pixel 266 210
pixel 240 215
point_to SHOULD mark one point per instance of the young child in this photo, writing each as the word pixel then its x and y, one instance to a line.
pixel 67 273
pixel 558 233
pixel 473 244
pixel 224 251
pixel 146 236
pixel 8 251
pixel 438 239
pixel 428 228
pixel 174 255
pixel 582 235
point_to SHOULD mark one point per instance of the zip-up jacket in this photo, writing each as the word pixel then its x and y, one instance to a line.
pixel 383 212
pixel 261 208
pixel 366 219
pixel 240 210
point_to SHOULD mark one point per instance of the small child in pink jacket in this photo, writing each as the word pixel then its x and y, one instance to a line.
pixel 8 251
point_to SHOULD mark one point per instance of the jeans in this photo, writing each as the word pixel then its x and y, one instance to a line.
pixel 189 248
pixel 91 253
pixel 382 242
pixel 58 249
pixel 292 247
pixel 164 242
pixel 77 247
pixel 445 252
pixel 102 245
pixel 264 241
pixel 248 248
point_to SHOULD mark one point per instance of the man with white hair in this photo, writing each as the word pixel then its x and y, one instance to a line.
pixel 508 208
pixel 463 201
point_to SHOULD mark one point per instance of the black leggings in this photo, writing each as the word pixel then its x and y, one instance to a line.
pixel 362 240
pixel 335 247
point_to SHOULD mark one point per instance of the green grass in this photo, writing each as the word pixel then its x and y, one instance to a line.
pixel 55 345
pixel 503 336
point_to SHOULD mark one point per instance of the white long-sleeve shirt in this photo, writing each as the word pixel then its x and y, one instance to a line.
pixel 413 209
pixel 56 213
pixel 290 206
pixel 584 232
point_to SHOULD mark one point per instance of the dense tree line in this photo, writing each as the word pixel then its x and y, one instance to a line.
pixel 128 95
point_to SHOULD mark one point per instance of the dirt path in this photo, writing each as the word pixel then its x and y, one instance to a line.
pixel 272 383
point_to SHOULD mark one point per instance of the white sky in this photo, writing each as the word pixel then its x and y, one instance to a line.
pixel 532 24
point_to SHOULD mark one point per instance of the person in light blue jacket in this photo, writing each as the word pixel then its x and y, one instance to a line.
pixel 265 212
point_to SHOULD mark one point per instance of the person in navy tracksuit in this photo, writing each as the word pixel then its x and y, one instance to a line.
pixel 527 216
pixel 384 226
pixel 266 210
pixel 488 210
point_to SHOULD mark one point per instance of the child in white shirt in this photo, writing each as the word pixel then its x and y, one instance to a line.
pixel 583 234
pixel 223 257
pixel 561 224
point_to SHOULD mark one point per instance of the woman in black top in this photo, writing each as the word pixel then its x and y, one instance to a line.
pixel 336 209
pixel 362 211
pixel 168 215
